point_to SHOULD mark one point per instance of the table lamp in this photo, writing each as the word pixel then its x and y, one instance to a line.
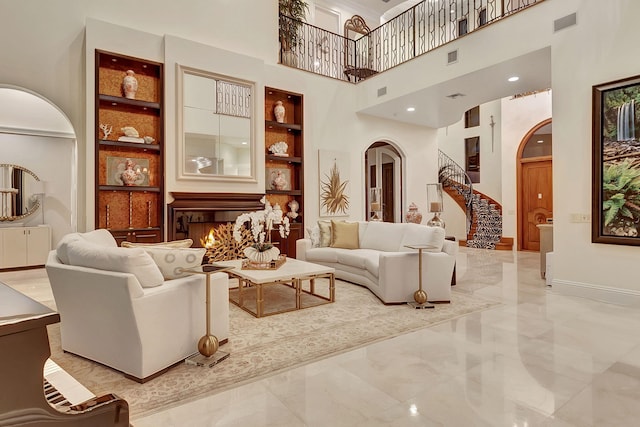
pixel 435 204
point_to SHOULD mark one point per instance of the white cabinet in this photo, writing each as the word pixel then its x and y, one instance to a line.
pixel 24 246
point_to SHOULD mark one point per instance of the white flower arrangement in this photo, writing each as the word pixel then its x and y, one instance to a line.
pixel 262 222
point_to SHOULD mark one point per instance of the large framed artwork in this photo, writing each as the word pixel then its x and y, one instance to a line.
pixel 333 167
pixel 616 163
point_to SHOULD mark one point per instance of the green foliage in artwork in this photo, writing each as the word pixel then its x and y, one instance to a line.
pixel 333 195
pixel 621 192
pixel 614 99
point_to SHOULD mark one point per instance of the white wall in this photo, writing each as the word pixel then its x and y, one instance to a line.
pixel 584 57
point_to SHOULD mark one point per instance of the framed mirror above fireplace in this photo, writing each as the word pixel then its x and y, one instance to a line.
pixel 215 127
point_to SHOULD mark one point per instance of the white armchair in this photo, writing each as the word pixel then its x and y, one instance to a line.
pixel 108 317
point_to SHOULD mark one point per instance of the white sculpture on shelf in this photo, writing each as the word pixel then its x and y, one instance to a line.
pixel 130 135
pixel 279 149
pixel 106 129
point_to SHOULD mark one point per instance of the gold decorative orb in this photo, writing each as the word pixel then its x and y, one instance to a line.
pixel 420 296
pixel 208 345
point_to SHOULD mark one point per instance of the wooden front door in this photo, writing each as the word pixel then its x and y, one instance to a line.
pixel 537 200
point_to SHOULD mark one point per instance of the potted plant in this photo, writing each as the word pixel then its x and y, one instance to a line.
pixel 292 14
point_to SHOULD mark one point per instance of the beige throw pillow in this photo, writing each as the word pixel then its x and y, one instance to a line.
pixel 173 261
pixel 184 243
pixel 344 235
pixel 325 233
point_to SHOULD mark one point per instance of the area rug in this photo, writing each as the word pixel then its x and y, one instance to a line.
pixel 265 346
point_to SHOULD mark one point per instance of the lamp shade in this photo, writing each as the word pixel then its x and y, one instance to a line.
pixel 38 187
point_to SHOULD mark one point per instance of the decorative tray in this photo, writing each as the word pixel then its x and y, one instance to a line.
pixel 271 265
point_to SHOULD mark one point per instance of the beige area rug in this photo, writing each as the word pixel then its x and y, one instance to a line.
pixel 264 346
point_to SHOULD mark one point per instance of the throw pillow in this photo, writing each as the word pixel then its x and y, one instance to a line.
pixel 325 233
pixel 314 235
pixel 344 235
pixel 173 261
pixel 184 243
pixel 135 261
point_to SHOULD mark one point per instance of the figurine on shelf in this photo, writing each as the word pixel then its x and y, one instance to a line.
pixel 131 174
pixel 278 180
pixel 278 112
pixel 279 149
pixel 294 206
pixel 130 85
pixel 149 139
pixel 131 135
pixel 106 130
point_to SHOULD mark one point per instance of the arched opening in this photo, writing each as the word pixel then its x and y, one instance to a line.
pixel 37 135
pixel 383 166
pixel 534 184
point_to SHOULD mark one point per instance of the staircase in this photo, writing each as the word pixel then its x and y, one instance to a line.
pixel 484 215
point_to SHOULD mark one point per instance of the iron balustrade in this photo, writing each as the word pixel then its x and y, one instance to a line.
pixel 452 175
pixel 420 29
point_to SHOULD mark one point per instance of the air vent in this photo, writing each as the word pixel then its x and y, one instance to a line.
pixel 452 57
pixel 565 22
pixel 455 95
pixel 382 91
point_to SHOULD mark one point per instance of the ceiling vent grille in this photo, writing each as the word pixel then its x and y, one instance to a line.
pixel 455 95
pixel 564 22
pixel 382 91
pixel 452 57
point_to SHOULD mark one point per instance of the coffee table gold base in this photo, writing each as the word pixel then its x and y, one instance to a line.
pixel 209 362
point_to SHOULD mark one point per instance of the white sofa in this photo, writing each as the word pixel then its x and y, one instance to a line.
pixel 383 264
pixel 109 317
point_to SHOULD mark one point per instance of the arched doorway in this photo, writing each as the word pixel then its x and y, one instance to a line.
pixel 534 184
pixel 37 134
pixel 383 165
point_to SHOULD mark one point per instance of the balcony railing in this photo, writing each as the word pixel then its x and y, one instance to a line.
pixel 418 30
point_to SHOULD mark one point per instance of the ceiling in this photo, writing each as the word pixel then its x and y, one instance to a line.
pixel 433 106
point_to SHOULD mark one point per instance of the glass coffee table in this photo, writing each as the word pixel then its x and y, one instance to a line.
pixel 274 291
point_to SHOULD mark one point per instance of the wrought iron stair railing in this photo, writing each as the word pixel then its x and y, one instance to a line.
pixel 452 175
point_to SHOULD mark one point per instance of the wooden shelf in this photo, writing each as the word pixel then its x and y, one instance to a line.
pixel 136 103
pixel 126 210
pixel 130 145
pixel 287 192
pixel 272 158
pixel 274 124
pixel 128 188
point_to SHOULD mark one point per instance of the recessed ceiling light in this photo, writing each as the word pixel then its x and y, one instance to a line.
pixel 411 109
pixel 540 141
pixel 244 142
pixel 513 79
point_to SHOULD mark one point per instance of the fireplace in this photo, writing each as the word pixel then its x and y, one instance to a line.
pixel 192 215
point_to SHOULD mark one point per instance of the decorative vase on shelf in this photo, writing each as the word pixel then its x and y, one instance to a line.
pixel 278 111
pixel 413 214
pixel 130 85
pixel 262 254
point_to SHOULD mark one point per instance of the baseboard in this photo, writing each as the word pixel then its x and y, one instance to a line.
pixel 606 294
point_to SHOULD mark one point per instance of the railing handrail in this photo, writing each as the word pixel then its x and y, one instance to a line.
pixel 460 177
pixel 412 33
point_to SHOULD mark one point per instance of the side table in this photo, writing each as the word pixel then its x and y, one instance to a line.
pixel 420 296
pixel 208 354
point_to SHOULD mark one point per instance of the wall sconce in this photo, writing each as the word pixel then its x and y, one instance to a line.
pixel 435 204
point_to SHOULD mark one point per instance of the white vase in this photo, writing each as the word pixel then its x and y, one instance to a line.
pixel 130 85
pixel 278 111
pixel 255 255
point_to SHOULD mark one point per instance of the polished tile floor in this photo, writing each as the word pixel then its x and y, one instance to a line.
pixel 540 359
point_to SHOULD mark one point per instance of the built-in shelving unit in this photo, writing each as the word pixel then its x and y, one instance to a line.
pixel 133 212
pixel 290 166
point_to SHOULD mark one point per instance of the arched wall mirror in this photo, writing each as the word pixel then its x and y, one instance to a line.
pixel 19 191
pixel 215 127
